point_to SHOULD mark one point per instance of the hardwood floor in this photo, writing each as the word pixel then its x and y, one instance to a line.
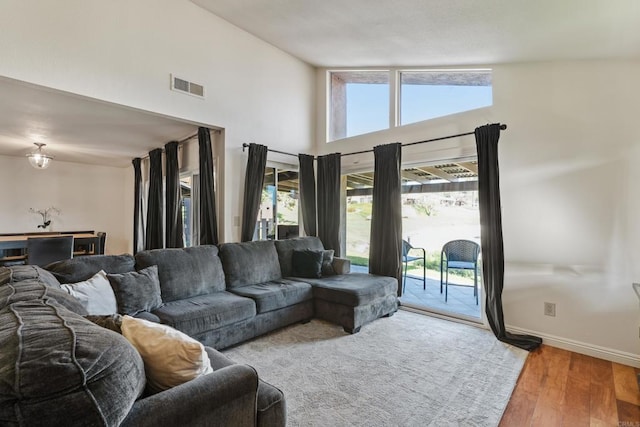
pixel 561 388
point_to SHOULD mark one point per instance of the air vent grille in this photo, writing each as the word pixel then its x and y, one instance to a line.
pixel 185 86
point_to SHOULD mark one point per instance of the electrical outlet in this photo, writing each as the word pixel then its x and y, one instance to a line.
pixel 550 309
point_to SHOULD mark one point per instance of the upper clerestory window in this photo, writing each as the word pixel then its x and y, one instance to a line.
pixel 370 100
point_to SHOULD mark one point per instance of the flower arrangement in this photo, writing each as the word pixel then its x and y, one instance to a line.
pixel 46 215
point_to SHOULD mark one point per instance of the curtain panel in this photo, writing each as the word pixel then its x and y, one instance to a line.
pixel 307 183
pixel 253 182
pixel 154 233
pixel 138 213
pixel 328 201
pixel 208 234
pixel 173 208
pixel 491 236
pixel 385 250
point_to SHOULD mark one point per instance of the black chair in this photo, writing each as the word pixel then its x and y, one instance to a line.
pixel 460 255
pixel 406 259
pixel 286 231
pixel 42 251
pixel 102 241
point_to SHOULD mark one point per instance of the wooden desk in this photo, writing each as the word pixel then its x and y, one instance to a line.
pixel 16 244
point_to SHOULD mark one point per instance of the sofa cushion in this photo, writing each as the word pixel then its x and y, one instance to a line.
pixel 95 294
pixel 186 272
pixel 250 263
pixel 170 357
pixel 353 289
pixel 59 369
pixel 34 289
pixel 307 263
pixel 136 291
pixel 83 267
pixel 206 312
pixel 276 294
pixel 286 247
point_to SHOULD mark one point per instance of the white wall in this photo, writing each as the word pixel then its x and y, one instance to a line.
pixel 123 52
pixel 89 198
pixel 568 168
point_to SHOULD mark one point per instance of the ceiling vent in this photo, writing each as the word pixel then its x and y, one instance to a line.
pixel 185 86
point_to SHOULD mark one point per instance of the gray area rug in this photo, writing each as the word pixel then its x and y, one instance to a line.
pixel 407 370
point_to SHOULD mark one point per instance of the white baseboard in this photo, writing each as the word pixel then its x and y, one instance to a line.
pixel 621 357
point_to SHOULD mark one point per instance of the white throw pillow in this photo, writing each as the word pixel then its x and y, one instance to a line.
pixel 95 294
pixel 170 356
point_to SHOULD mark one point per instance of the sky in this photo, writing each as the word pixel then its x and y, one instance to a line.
pixel 368 104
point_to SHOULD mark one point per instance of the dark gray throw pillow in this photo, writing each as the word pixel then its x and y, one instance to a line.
pixel 307 263
pixel 137 291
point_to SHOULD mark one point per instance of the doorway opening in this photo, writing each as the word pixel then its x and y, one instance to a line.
pixel 439 205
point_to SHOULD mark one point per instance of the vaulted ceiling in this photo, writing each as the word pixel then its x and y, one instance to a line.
pixel 364 33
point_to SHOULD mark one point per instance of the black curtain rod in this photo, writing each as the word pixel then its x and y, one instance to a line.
pixel 502 127
pixel 182 141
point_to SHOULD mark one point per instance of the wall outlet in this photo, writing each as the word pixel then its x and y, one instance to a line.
pixel 550 309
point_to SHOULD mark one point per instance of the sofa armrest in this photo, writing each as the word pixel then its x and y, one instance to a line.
pixel 341 265
pixel 227 396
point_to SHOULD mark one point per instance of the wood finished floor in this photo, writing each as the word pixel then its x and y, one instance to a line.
pixel 561 388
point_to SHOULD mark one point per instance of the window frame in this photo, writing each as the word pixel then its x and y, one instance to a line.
pixel 395 93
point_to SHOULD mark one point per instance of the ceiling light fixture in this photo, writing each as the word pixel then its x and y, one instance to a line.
pixel 38 158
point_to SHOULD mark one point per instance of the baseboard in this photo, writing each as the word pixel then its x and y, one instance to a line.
pixel 621 357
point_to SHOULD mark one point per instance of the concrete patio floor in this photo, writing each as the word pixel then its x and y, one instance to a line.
pixel 460 300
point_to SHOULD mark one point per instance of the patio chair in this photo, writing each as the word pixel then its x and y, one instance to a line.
pixel 459 255
pixel 42 251
pixel 406 259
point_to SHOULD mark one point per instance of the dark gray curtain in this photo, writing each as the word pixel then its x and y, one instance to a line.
pixel 253 182
pixel 208 217
pixel 385 249
pixel 173 208
pixel 491 236
pixel 154 235
pixel 307 183
pixel 329 201
pixel 138 214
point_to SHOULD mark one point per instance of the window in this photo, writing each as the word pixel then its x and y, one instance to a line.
pixel 360 102
pixel 429 94
pixel 278 213
pixel 190 208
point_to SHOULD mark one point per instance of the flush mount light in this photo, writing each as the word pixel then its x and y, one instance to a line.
pixel 38 158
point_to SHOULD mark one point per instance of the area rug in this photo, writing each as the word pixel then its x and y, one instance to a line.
pixel 406 370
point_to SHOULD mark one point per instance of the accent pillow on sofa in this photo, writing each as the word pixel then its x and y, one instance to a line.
pixel 95 294
pixel 137 291
pixel 170 356
pixel 307 263
pixel 327 262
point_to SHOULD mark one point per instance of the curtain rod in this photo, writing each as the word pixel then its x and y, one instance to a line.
pixel 182 141
pixel 502 127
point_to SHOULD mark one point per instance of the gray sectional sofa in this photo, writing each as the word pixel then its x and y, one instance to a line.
pixel 220 296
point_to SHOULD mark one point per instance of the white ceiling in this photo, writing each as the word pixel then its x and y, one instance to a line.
pixel 360 33
pixel 79 129
pixel 332 33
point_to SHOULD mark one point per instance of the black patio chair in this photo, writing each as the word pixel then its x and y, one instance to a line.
pixel 459 255
pixel 406 259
